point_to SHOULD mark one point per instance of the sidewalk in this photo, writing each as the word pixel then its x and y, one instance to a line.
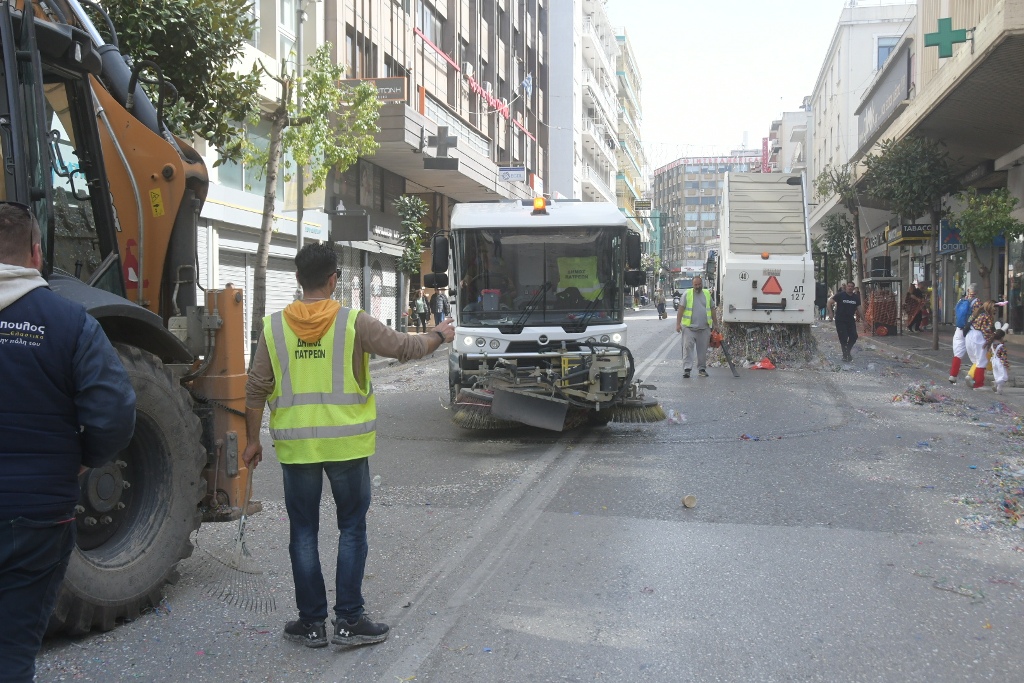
pixel 919 347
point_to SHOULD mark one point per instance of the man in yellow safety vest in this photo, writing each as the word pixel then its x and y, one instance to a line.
pixel 696 319
pixel 312 367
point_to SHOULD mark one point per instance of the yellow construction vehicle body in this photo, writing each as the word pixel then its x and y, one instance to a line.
pixel 118 198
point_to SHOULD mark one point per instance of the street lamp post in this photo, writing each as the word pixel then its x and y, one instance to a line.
pixel 300 19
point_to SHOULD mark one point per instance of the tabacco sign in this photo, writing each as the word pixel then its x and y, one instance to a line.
pixel 493 102
pixel 910 233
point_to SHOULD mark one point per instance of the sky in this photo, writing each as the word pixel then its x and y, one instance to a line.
pixel 714 69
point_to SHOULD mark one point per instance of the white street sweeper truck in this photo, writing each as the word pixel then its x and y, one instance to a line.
pixel 540 335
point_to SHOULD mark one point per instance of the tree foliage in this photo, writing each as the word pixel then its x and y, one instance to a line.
pixel 197 44
pixel 838 181
pixel 911 175
pixel 335 127
pixel 984 218
pixel 412 209
pixel 838 239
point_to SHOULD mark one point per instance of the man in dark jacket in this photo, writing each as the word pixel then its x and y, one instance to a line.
pixel 66 404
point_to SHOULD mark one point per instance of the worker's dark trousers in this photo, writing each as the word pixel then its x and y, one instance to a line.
pixel 847 330
pixel 33 558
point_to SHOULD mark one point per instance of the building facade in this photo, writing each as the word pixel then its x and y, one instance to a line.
pixel 954 76
pixel 863 40
pixel 584 105
pixel 475 68
pixel 688 194
pixel 631 178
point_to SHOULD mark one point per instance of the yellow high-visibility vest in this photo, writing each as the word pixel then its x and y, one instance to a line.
pixel 688 306
pixel 319 412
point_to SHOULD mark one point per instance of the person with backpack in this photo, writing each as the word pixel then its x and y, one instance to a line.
pixel 962 314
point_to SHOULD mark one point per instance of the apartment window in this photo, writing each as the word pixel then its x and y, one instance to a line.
pixel 252 178
pixel 287 17
pixel 430 23
pixel 886 44
pixel 253 11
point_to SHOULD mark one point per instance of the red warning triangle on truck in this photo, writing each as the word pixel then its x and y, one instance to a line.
pixel 771 286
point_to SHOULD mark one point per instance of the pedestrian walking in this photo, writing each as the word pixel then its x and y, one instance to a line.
pixel 439 306
pixel 696 318
pixel 978 340
pixel 962 318
pixel 844 308
pixel 323 420
pixel 820 299
pixel 661 305
pixel 421 310
pixel 66 404
pixel 914 307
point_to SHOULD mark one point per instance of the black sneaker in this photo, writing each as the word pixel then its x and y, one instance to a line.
pixel 361 632
pixel 310 635
pixel 702 373
pixel 686 374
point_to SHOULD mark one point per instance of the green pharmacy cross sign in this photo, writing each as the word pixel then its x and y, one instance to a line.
pixel 945 37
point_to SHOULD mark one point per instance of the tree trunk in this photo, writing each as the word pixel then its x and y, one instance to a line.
pixel 278 121
pixel 849 267
pixel 985 273
pixel 857 245
pixel 935 216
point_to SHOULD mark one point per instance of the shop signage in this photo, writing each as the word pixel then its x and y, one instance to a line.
pixel 881 107
pixel 641 204
pixel 949 239
pixel 492 102
pixel 910 233
pixel 875 240
pixel 365 226
pixel 390 89
pixel 512 174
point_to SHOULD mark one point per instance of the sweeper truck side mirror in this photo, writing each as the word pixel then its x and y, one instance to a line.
pixel 633 250
pixel 439 254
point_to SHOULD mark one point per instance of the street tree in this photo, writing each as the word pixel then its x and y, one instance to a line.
pixel 335 128
pixel 838 239
pixel 411 209
pixel 913 175
pixel 835 264
pixel 197 44
pixel 838 181
pixel 985 217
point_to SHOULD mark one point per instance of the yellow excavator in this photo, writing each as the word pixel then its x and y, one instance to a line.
pixel 118 198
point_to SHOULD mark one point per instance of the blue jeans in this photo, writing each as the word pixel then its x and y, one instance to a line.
pixel 303 486
pixel 33 558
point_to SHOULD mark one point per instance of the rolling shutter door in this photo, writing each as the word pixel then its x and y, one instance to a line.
pixel 281 283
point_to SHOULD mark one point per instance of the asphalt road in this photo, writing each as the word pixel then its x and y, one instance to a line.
pixel 850 538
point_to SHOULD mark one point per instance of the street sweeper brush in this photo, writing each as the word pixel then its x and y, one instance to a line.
pixel 638 410
pixel 472 410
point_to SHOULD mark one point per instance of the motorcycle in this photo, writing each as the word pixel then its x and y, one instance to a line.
pixel 675 302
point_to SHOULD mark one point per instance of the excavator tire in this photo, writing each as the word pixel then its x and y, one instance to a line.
pixel 139 510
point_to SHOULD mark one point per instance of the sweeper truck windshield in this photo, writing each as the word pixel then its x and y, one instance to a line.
pixel 511 276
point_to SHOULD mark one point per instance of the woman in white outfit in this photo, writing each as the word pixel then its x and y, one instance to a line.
pixel 982 329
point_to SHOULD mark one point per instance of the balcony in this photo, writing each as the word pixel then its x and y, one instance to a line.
pixel 595 187
pixel 595 138
pixel 599 46
pixel 592 86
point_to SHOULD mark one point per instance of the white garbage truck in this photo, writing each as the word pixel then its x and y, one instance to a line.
pixel 765 270
pixel 539 314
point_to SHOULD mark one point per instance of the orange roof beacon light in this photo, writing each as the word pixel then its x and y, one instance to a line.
pixel 540 206
pixel 765 255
